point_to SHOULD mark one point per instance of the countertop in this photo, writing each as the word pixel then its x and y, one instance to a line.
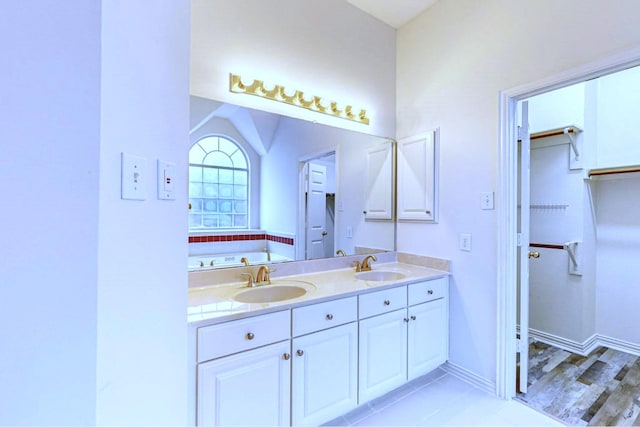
pixel 215 303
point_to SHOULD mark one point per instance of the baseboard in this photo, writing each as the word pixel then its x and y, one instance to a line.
pixel 469 377
pixel 587 346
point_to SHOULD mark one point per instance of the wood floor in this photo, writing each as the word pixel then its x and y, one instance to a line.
pixel 601 389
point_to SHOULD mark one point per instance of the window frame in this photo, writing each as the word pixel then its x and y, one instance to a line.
pixel 247 199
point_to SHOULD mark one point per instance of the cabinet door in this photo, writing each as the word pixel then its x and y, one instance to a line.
pixel 383 354
pixel 428 337
pixel 248 388
pixel 324 373
pixel 417 177
pixel 379 185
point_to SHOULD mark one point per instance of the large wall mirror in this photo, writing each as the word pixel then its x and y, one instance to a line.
pixel 270 188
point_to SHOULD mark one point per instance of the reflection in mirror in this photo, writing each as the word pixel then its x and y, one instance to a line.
pixel 266 188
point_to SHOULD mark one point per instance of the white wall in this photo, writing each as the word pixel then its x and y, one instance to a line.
pixel 49 141
pixel 142 279
pixel 452 62
pixel 617 204
pixel 326 48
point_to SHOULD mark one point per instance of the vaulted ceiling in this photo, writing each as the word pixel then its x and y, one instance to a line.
pixel 395 13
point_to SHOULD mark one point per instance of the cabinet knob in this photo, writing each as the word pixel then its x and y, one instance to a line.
pixel 430 291
pixel 387 302
pixel 329 316
pixel 364 212
pixel 286 356
pixel 250 336
pixel 413 317
pixel 299 352
pixel 427 212
pixel 406 320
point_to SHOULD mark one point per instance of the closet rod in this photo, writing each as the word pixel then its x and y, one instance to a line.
pixel 546 245
pixel 611 171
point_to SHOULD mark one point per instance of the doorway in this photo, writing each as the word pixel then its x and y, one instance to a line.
pixel 508 244
pixel 318 191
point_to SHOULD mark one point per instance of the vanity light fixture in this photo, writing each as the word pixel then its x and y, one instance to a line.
pixel 280 94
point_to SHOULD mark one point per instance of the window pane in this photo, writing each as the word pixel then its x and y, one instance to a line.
pixel 228 146
pixel 225 221
pixel 195 220
pixel 211 206
pixel 226 176
pixel 209 144
pixel 210 174
pixel 196 205
pixel 217 158
pixel 210 221
pixel 239 192
pixel 195 189
pixel 195 173
pixel 238 160
pixel 240 177
pixel 225 206
pixel 196 154
pixel 210 190
pixel 226 191
pixel 240 206
pixel 240 221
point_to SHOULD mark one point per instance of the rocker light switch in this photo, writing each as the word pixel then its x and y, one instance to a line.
pixel 166 181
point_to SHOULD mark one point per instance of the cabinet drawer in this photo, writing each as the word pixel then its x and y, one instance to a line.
pixel 382 301
pixel 324 315
pixel 239 335
pixel 428 291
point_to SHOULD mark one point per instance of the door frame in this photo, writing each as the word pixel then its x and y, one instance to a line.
pixel 507 191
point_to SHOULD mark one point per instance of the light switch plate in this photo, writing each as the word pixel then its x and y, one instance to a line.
pixel 487 201
pixel 133 179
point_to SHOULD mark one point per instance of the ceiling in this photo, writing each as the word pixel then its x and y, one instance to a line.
pixel 395 13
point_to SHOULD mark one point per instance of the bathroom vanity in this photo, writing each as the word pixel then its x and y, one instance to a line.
pixel 307 359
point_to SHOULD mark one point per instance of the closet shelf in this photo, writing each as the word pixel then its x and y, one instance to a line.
pixel 554 132
pixel 595 173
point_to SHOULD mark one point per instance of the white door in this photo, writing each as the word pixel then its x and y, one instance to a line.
pixel 416 177
pixel 428 337
pixel 249 388
pixel 316 210
pixel 383 354
pixel 325 374
pixel 379 184
pixel 523 320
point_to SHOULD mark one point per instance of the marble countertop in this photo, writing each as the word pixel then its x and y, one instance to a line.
pixel 215 303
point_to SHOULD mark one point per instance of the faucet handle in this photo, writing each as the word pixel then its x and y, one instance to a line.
pixel 358 266
pixel 250 279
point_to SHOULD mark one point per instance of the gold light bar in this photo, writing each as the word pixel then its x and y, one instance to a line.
pixel 280 94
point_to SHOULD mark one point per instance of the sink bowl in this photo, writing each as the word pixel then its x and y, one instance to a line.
pixel 380 275
pixel 273 292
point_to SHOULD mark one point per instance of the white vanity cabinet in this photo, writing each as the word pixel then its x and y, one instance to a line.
pixel 247 381
pixel 403 344
pixel 324 361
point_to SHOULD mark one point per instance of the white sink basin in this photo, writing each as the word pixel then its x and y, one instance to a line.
pixel 278 291
pixel 380 275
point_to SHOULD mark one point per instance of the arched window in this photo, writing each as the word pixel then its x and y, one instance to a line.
pixel 218 184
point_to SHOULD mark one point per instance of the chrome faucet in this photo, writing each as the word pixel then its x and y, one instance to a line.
pixel 262 276
pixel 365 265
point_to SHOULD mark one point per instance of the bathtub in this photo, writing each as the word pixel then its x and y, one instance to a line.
pixel 202 262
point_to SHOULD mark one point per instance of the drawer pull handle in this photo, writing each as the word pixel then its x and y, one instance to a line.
pixel 329 316
pixel 413 317
pixel 430 291
pixel 250 336
pixel 286 356
pixel 387 302
pixel 299 352
pixel 406 320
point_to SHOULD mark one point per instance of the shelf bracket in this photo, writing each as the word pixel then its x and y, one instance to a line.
pixel 572 139
pixel 575 266
pixel 575 161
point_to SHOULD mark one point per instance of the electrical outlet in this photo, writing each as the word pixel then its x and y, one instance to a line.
pixel 465 242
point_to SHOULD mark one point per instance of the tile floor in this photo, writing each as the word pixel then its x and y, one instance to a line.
pixel 441 399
